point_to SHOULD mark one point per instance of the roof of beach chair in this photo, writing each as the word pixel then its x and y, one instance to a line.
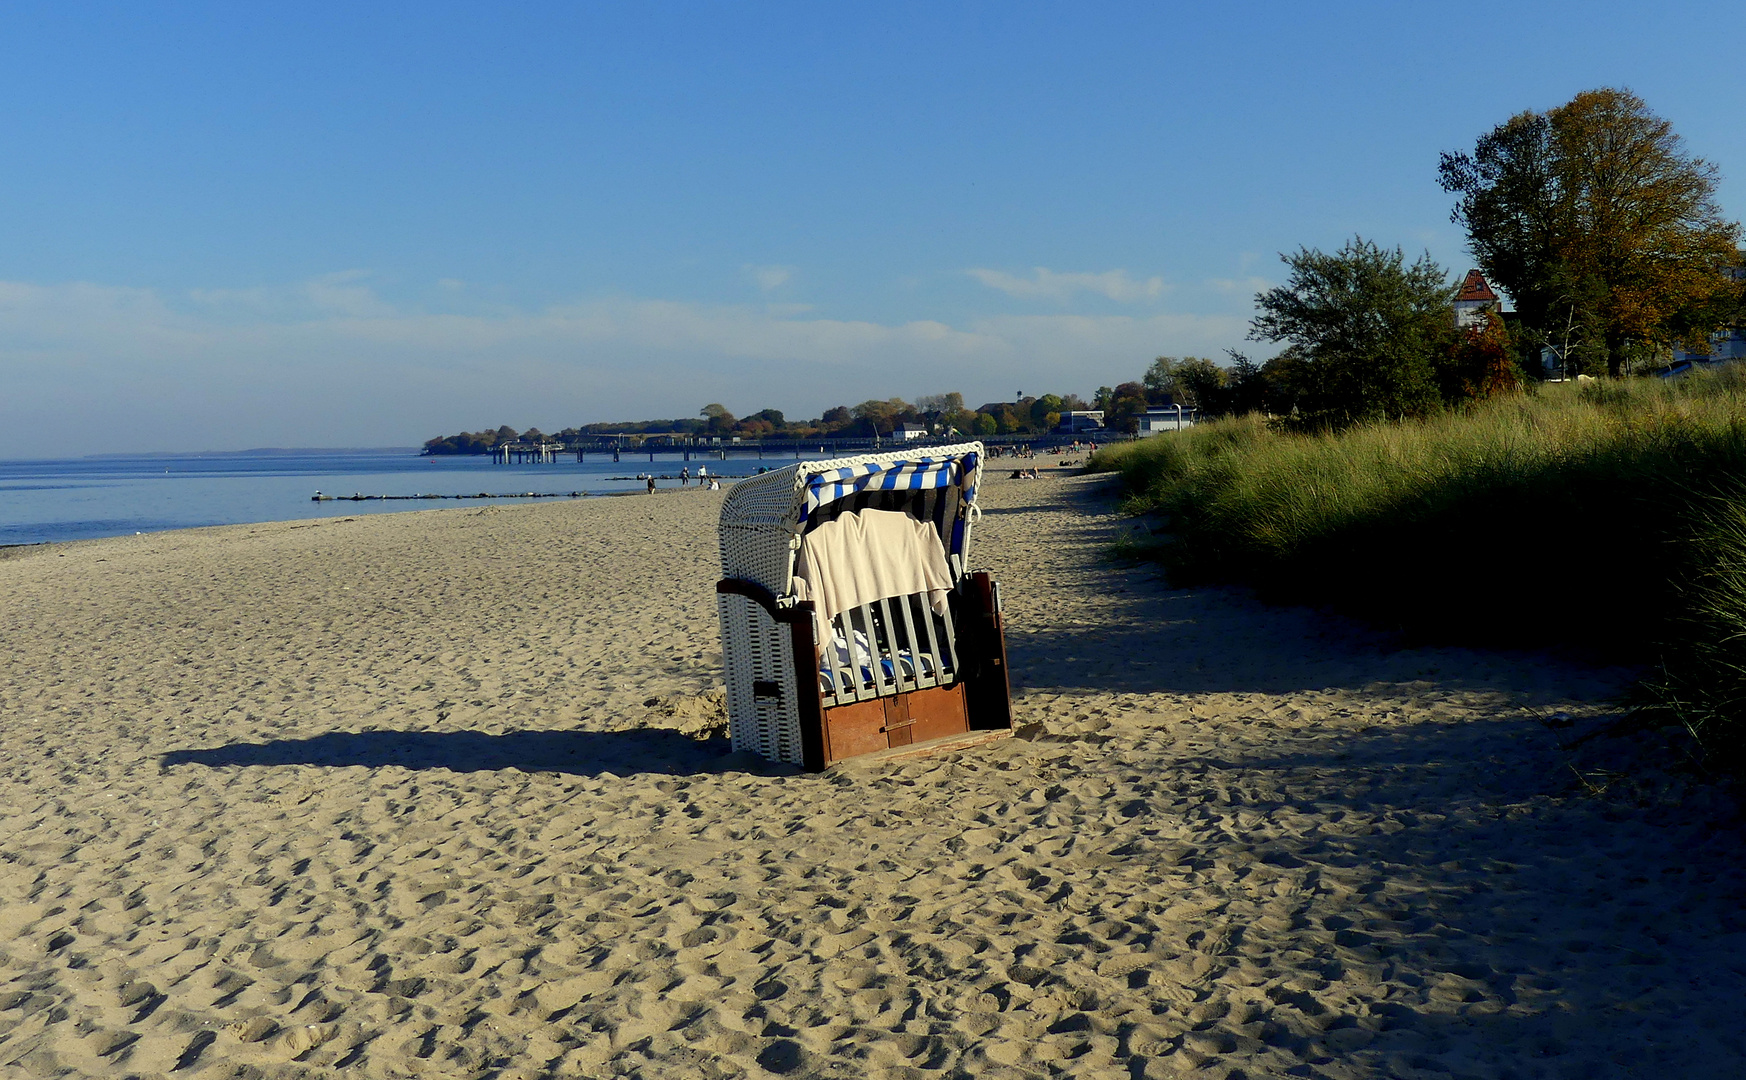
pixel 763 517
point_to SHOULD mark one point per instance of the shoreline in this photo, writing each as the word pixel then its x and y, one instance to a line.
pixel 504 498
pixel 439 792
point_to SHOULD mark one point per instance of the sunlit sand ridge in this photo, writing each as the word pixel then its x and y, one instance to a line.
pixel 419 795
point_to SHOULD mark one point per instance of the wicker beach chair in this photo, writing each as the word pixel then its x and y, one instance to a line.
pixel 924 670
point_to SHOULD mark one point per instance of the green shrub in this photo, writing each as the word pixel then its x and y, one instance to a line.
pixel 1700 682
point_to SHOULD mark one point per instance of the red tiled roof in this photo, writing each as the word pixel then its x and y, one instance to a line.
pixel 1475 288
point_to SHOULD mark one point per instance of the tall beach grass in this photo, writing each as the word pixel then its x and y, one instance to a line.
pixel 1609 519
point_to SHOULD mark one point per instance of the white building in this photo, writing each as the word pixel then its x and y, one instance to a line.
pixel 1170 418
pixel 1728 344
pixel 1474 300
pixel 906 432
pixel 1075 421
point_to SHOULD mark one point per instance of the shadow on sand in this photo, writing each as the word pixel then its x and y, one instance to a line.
pixel 581 753
pixel 1150 637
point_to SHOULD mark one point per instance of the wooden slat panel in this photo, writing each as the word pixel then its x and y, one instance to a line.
pixel 857 691
pixel 917 645
pixel 936 713
pixel 933 642
pixel 897 723
pixel 835 663
pixel 851 730
pixel 881 685
pixel 845 687
pixel 952 645
pixel 891 651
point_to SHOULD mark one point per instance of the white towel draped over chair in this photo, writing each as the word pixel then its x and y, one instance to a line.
pixel 867 556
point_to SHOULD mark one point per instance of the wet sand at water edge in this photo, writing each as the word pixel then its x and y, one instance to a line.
pixel 437 794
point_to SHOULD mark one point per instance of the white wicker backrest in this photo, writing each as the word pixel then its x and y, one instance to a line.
pixel 761 517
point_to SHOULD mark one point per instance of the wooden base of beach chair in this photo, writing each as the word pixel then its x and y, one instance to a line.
pixel 976 708
pixel 980 703
pixel 932 747
pixel 891 723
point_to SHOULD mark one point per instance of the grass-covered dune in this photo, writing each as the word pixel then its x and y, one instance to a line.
pixel 1609 518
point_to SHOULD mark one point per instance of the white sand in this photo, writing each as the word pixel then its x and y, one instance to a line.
pixel 407 796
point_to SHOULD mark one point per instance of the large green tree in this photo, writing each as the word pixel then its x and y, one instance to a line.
pixel 1125 405
pixel 1193 380
pixel 1598 222
pixel 720 420
pixel 1371 331
pixel 874 417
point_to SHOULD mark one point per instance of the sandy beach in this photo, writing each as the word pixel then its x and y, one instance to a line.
pixel 435 794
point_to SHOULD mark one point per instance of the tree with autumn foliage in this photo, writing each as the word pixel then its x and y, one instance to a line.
pixel 1599 223
pixel 1481 363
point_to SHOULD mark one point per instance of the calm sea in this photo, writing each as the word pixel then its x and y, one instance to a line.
pixel 113 496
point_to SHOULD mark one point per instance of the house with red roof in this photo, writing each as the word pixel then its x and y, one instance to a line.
pixel 1474 299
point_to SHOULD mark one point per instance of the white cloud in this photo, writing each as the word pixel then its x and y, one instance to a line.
pixel 769 278
pixel 1046 284
pixel 342 293
pixel 1116 346
pixel 328 362
pixel 1246 286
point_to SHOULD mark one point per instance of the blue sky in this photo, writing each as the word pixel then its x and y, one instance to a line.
pixel 227 226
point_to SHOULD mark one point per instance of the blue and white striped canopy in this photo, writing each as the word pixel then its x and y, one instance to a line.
pixel 920 474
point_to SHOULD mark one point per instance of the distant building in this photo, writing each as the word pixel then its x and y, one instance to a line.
pixel 1725 345
pixel 1174 418
pixel 907 432
pixel 1728 344
pixel 1023 405
pixel 1077 420
pixel 1473 300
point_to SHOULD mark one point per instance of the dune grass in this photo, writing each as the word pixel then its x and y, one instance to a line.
pixel 1609 519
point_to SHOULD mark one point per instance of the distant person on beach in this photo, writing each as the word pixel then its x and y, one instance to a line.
pixel 714 484
pixel 685 476
pixel 651 485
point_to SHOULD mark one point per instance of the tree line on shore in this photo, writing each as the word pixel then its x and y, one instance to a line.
pixel 1170 380
pixel 940 414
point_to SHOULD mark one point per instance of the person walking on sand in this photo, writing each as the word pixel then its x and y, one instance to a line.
pixel 685 476
pixel 651 485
